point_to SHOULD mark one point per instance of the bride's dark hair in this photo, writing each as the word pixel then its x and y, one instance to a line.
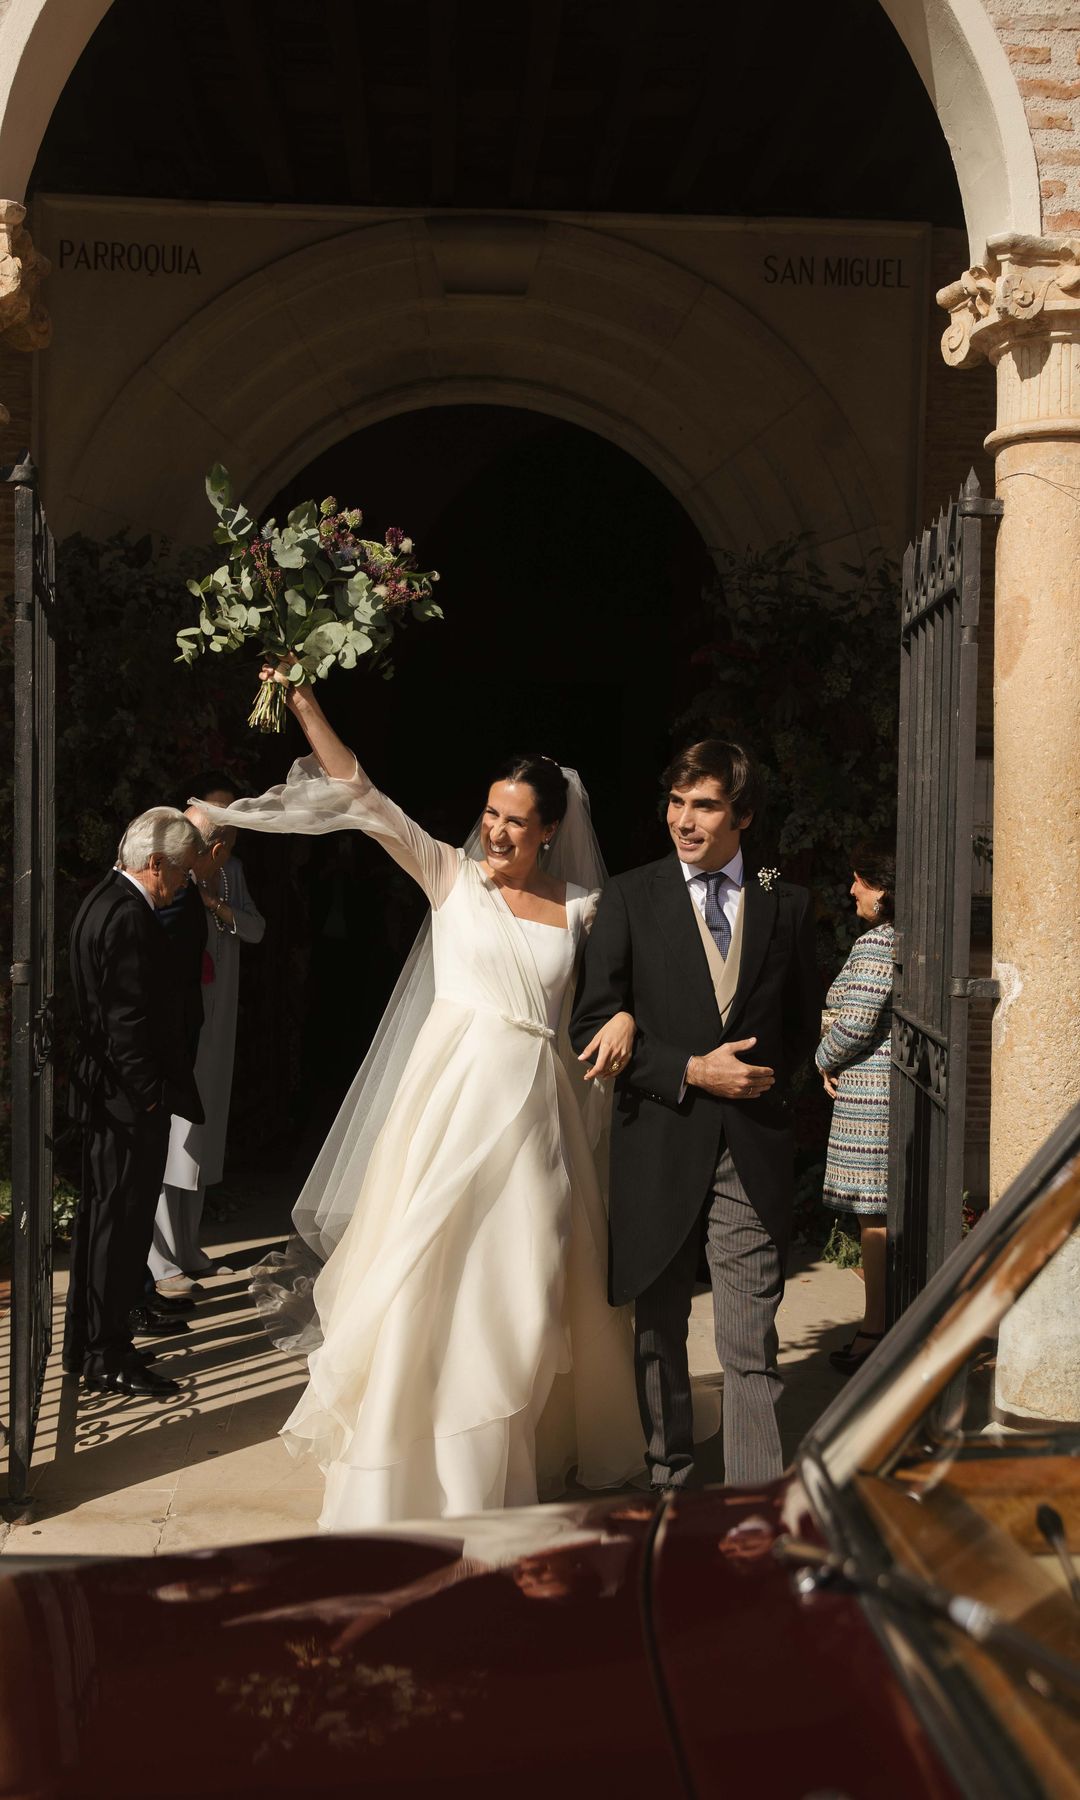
pixel 545 778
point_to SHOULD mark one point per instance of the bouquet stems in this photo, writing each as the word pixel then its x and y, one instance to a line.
pixel 268 712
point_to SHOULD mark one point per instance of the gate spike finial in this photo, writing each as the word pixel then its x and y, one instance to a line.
pixel 20 474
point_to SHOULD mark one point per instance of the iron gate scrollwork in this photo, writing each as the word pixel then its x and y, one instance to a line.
pixel 32 971
pixel 939 639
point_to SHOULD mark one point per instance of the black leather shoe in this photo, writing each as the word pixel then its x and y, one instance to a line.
pixel 146 1321
pixel 166 1303
pixel 73 1365
pixel 135 1381
pixel 847 1360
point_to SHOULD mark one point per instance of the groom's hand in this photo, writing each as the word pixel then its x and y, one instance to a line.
pixel 721 1073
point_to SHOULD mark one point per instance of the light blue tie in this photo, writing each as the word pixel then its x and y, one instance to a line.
pixel 715 917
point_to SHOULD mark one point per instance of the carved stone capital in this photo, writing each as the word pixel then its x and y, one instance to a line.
pixel 1021 311
pixel 1026 283
pixel 24 323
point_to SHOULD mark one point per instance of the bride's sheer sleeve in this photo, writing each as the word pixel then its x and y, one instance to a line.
pixel 588 911
pixel 311 802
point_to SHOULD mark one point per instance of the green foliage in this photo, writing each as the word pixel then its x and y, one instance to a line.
pixel 128 730
pixel 842 1249
pixel 313 589
pixel 805 668
pixel 65 1201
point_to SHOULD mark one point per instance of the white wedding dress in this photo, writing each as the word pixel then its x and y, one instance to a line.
pixel 469 1357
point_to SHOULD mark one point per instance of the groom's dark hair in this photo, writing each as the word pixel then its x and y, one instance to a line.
pixel 721 760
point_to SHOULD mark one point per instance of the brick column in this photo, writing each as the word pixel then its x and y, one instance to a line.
pixel 1021 311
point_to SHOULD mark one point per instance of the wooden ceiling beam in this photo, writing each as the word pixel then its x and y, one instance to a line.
pixel 779 149
pixel 732 34
pixel 166 42
pixel 443 87
pixel 639 27
pixel 347 62
pixel 545 27
pixel 265 113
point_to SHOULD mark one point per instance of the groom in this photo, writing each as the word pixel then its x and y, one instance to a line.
pixel 715 959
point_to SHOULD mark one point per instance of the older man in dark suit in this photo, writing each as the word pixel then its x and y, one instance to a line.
pixel 133 1070
pixel 715 960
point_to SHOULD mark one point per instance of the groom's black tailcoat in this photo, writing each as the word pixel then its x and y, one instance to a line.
pixel 645 956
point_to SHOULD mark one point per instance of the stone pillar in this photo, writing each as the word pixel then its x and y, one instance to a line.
pixel 1021 310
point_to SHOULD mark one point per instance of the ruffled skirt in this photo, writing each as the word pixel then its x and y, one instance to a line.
pixel 469 1356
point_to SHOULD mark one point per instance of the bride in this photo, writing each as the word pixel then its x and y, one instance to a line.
pixel 468 1355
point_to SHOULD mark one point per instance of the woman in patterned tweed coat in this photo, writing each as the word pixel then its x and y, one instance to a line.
pixel 853 1058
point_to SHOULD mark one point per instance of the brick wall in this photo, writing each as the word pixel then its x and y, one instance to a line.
pixel 1042 41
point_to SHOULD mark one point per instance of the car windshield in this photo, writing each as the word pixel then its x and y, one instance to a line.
pixel 945 1473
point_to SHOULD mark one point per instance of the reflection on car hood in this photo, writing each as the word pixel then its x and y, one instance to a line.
pixel 553 1649
pixel 459 1650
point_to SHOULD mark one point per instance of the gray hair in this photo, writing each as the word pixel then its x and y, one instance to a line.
pixel 211 834
pixel 162 831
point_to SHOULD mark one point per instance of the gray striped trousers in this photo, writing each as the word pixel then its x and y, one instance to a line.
pixel 747 1283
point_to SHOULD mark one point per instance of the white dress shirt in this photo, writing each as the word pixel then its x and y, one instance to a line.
pixel 729 891
pixel 139 889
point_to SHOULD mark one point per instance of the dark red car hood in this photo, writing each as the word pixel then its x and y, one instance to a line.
pixel 789 1698
pixel 608 1647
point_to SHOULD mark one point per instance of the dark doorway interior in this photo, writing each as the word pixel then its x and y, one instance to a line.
pixel 570 581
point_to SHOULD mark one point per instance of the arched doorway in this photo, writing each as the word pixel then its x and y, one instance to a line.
pixel 572 593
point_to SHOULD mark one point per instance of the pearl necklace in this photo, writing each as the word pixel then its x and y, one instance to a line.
pixel 223 898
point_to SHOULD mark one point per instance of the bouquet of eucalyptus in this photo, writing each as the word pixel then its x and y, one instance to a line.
pixel 312 590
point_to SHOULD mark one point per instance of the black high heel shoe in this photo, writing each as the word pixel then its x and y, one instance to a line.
pixel 847 1360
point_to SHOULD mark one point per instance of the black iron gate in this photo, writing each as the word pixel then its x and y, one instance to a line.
pixel 32 951
pixel 939 651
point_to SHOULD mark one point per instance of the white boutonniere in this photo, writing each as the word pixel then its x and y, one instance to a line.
pixel 767 877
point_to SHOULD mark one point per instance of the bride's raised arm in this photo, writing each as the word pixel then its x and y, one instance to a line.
pixel 339 762
pixel 329 791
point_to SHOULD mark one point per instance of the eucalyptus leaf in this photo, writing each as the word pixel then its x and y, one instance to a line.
pixel 286 553
pixel 218 487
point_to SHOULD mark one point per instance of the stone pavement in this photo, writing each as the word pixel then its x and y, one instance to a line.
pixel 123 1477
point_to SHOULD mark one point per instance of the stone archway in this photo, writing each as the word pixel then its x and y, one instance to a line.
pixel 418 312
pixel 40 43
pixel 964 68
